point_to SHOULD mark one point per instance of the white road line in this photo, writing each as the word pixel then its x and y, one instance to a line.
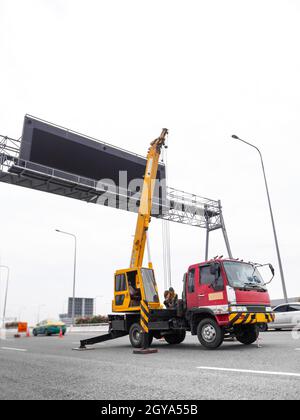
pixel 255 372
pixel 12 348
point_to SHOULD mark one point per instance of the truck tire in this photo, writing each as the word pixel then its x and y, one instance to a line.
pixel 175 338
pixel 247 334
pixel 210 334
pixel 135 336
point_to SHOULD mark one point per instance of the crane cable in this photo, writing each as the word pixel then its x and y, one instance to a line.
pixel 166 233
pixel 163 237
pixel 164 254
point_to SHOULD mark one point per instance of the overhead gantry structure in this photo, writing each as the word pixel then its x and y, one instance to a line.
pixel 178 206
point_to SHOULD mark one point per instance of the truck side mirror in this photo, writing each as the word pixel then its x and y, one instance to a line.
pixel 272 269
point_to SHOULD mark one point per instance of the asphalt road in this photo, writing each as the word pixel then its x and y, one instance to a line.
pixel 47 368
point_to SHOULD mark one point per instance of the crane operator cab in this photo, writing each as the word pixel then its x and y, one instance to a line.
pixel 133 286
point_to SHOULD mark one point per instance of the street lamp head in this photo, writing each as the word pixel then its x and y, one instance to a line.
pixel 235 137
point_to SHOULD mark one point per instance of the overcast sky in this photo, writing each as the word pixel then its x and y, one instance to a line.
pixel 120 71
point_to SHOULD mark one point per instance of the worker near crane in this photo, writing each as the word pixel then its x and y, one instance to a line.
pixel 171 299
pixel 135 295
pixel 167 298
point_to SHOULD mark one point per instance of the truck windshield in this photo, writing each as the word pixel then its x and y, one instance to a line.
pixel 149 285
pixel 243 275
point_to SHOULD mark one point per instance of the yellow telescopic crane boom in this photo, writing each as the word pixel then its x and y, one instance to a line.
pixel 144 216
pixel 136 285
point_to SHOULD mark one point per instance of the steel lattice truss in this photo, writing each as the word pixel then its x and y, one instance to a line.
pixel 180 206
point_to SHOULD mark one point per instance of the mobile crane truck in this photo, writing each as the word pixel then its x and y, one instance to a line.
pixel 221 297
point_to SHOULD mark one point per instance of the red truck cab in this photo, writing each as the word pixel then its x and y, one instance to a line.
pixel 224 296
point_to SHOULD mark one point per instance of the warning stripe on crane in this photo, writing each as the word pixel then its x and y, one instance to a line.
pixel 144 307
pixel 250 318
pixel 145 316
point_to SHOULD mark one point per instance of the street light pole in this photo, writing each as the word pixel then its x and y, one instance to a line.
pixel 272 216
pixel 6 294
pixel 74 272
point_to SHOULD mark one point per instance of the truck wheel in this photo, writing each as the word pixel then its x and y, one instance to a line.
pixel 135 336
pixel 210 334
pixel 247 334
pixel 175 338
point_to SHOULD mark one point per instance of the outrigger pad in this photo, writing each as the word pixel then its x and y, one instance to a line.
pixel 145 351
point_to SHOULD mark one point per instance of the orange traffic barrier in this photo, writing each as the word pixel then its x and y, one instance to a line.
pixel 22 327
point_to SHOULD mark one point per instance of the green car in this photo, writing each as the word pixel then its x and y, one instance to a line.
pixel 49 327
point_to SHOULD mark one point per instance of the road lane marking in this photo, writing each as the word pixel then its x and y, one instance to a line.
pixel 12 349
pixel 255 372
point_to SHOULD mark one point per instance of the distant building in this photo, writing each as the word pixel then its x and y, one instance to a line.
pixel 277 302
pixel 84 307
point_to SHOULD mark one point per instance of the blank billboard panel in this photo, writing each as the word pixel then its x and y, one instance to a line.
pixel 54 147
